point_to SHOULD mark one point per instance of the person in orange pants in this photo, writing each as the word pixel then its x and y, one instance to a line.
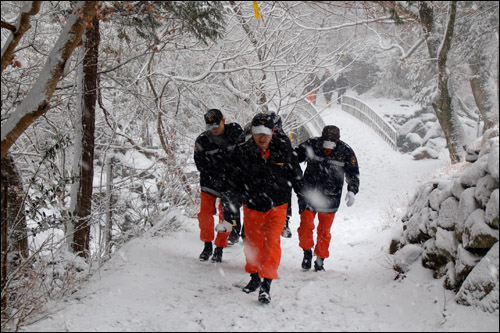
pixel 329 161
pixel 210 156
pixel 312 85
pixel 264 170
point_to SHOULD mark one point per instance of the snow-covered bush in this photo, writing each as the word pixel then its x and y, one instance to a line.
pixel 454 220
pixel 48 274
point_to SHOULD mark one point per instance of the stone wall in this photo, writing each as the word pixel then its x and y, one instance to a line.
pixel 451 225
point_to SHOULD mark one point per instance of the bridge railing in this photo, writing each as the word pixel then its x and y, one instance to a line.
pixel 304 122
pixel 368 116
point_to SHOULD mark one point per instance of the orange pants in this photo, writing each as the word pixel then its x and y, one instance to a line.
pixel 312 97
pixel 262 240
pixel 306 228
pixel 206 220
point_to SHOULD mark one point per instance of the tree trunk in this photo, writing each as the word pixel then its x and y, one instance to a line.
pixel 426 15
pixel 485 102
pixel 442 105
pixel 81 206
pixel 5 236
pixel 108 225
pixel 22 25
pixel 14 234
pixel 37 100
pixel 16 219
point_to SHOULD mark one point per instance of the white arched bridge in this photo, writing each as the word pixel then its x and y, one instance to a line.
pixel 308 122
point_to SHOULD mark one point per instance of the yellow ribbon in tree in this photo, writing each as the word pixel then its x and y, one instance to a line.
pixel 256 9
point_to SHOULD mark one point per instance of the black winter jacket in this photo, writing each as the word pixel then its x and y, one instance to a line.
pixel 329 85
pixel 211 157
pixel 324 175
pixel 264 184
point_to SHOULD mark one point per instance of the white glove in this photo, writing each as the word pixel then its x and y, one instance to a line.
pixel 224 227
pixel 349 198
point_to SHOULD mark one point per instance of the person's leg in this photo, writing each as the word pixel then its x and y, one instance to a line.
pixel 254 239
pixel 221 238
pixel 306 240
pixel 270 255
pixel 206 217
pixel 234 236
pixel 324 235
pixel 323 240
pixel 206 223
pixel 328 96
pixel 287 233
pixel 305 230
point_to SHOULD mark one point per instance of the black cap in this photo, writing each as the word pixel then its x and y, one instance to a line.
pixel 261 122
pixel 213 118
pixel 331 133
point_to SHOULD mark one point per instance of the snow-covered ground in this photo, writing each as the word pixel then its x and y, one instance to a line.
pixel 157 283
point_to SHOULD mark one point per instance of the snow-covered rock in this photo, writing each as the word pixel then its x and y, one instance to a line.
pixel 454 220
pixel 480 288
pixel 406 256
pixel 491 211
pixel 448 214
pixel 477 234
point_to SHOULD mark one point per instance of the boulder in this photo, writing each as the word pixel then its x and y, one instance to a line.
pixel 433 259
pixel 405 257
pixel 448 214
pixel 466 205
pixel 480 288
pixel 484 187
pixel 491 211
pixel 477 234
pixel 464 263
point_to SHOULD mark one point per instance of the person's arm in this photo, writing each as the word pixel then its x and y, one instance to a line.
pixel 300 151
pixel 294 170
pixel 351 168
pixel 200 159
pixel 233 196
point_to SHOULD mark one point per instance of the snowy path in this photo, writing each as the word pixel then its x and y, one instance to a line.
pixel 158 284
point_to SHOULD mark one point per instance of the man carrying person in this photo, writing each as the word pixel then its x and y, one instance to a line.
pixel 210 156
pixel 264 170
pixel 329 160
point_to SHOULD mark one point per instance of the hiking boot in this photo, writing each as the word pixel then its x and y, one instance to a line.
pixel 265 291
pixel 234 237
pixel 217 257
pixel 318 264
pixel 306 262
pixel 254 283
pixel 286 233
pixel 207 251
